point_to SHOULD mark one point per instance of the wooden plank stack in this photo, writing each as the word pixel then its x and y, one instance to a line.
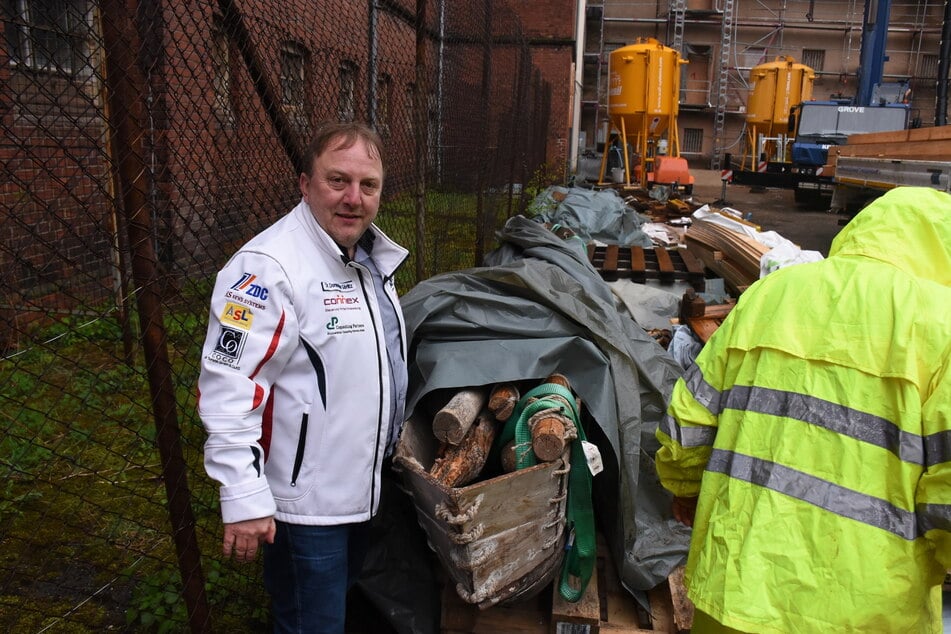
pixel 923 144
pixel 731 255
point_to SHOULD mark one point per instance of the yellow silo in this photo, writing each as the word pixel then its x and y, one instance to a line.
pixel 643 102
pixel 775 88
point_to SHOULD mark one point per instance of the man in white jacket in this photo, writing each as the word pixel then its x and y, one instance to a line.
pixel 303 383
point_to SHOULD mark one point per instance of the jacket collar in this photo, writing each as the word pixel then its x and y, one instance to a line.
pixel 387 254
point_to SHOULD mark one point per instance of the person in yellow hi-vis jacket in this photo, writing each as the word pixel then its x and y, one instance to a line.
pixel 815 427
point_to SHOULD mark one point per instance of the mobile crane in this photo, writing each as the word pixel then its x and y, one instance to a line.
pixel 797 160
pixel 871 164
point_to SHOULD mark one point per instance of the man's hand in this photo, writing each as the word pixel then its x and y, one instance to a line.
pixel 684 510
pixel 243 538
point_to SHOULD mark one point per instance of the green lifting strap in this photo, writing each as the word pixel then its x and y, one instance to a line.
pixel 581 545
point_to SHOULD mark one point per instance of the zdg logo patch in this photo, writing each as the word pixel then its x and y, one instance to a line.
pixel 237 315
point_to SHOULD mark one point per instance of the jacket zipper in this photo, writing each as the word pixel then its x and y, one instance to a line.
pixel 398 313
pixel 379 361
pixel 299 457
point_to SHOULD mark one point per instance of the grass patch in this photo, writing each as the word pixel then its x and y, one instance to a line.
pixel 84 525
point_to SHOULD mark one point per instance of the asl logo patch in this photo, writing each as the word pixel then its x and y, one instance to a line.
pixel 229 345
pixel 237 315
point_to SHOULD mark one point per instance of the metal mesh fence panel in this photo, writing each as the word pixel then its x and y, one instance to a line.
pixel 142 144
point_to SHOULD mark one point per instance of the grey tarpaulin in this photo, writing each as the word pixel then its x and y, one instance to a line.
pixel 539 307
pixel 599 215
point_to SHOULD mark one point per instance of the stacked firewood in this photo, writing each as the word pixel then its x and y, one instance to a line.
pixel 467 427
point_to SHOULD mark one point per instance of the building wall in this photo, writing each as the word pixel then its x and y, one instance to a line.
pixel 215 168
pixel 761 31
pixel 549 28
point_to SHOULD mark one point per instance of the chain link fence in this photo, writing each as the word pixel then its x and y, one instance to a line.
pixel 142 143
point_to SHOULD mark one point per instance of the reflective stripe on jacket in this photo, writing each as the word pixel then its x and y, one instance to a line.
pixel 816 427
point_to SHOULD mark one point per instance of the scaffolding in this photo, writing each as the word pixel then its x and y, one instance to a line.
pixel 736 35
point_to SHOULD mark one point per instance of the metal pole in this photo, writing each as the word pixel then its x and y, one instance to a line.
pixel 420 128
pixel 481 221
pixel 371 65
pixel 944 59
pixel 126 87
pixel 578 86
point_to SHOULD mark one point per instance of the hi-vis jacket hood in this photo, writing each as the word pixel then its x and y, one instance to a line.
pixel 816 428
pixel 908 227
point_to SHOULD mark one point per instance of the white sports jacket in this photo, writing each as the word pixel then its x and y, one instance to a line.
pixel 294 385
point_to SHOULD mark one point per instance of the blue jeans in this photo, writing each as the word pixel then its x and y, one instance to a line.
pixel 307 572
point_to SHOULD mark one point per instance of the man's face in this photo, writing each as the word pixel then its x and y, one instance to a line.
pixel 343 191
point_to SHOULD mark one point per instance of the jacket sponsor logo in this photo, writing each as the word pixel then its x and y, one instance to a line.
pixel 228 346
pixel 237 315
pixel 246 286
pixel 341 300
pixel 335 327
pixel 244 300
pixel 338 287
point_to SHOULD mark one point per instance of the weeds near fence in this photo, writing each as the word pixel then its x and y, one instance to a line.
pixel 73 476
pixel 82 465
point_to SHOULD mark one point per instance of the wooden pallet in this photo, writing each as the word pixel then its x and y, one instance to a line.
pixel 642 264
pixel 605 608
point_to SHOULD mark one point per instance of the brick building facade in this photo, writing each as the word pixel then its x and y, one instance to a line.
pixel 223 96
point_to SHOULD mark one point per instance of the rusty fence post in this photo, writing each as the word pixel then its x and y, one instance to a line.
pixel 420 134
pixel 125 83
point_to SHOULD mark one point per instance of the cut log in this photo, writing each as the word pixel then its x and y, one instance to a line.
pixel 453 421
pixel 548 437
pixel 503 400
pixel 548 433
pixel 558 379
pixel 461 464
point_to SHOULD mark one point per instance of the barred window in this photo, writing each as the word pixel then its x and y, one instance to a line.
pixel 292 74
pixel 47 35
pixel 221 63
pixel 347 101
pixel 814 58
pixel 928 66
pixel 693 140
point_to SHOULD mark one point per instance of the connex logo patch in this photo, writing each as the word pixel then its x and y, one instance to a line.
pixel 338 287
pixel 246 286
pixel 229 345
pixel 341 300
